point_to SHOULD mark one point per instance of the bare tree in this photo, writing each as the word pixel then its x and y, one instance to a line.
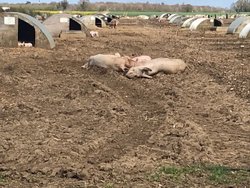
pixel 63 4
pixel 241 6
pixel 187 8
pixel 83 4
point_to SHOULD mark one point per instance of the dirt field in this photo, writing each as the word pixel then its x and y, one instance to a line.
pixel 63 126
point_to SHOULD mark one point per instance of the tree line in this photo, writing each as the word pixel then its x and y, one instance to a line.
pixel 86 5
pixel 161 7
pixel 238 6
pixel 241 6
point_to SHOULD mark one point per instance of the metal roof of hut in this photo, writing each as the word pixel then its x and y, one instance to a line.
pixel 175 19
pixel 91 21
pixel 235 24
pixel 18 27
pixel 245 32
pixel 106 18
pixel 189 21
pixel 171 16
pixel 182 20
pixel 200 23
pixel 58 23
pixel 242 25
pixel 165 15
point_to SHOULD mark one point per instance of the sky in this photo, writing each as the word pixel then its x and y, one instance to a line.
pixel 216 3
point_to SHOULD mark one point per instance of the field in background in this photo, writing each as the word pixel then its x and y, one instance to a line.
pixel 137 13
pixel 50 12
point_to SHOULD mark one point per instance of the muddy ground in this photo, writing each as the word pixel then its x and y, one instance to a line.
pixel 63 126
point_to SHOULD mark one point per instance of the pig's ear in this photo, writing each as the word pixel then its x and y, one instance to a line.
pixel 146 70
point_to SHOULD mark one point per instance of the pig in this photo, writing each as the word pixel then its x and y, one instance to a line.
pixel 94 34
pixel 20 44
pixel 24 44
pixel 29 45
pixel 115 62
pixel 140 60
pixel 154 66
pixel 113 23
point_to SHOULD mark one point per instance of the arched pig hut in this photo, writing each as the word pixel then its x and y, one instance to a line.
pixel 92 21
pixel 182 20
pixel 245 32
pixel 235 24
pixel 171 16
pixel 176 19
pixel 201 24
pixel 65 23
pixel 18 27
pixel 106 18
pixel 189 21
pixel 165 15
pixel 242 25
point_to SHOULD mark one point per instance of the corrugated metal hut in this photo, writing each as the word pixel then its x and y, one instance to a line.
pixel 92 21
pixel 183 19
pixel 106 18
pixel 176 19
pixel 165 15
pixel 18 27
pixel 235 24
pixel 201 24
pixel 242 25
pixel 65 23
pixel 245 32
pixel 171 16
pixel 189 21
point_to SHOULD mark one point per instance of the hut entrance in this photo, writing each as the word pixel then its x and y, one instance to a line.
pixel 26 32
pixel 98 22
pixel 217 23
pixel 73 25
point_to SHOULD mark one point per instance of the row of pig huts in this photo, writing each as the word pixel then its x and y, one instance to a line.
pixel 15 27
pixel 18 27
pixel 239 25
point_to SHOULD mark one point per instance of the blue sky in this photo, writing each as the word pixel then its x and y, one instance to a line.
pixel 217 3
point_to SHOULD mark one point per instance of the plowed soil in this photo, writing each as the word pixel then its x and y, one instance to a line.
pixel 64 126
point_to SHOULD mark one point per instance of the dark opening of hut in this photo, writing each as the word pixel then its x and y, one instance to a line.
pixel 26 32
pixel 98 22
pixel 73 25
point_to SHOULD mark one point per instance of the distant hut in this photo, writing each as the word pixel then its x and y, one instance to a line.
pixel 65 23
pixel 201 24
pixel 183 19
pixel 176 19
pixel 106 18
pixel 18 27
pixel 245 32
pixel 171 16
pixel 189 21
pixel 92 21
pixel 165 15
pixel 143 17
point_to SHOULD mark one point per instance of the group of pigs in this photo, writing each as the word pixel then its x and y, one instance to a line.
pixel 136 67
